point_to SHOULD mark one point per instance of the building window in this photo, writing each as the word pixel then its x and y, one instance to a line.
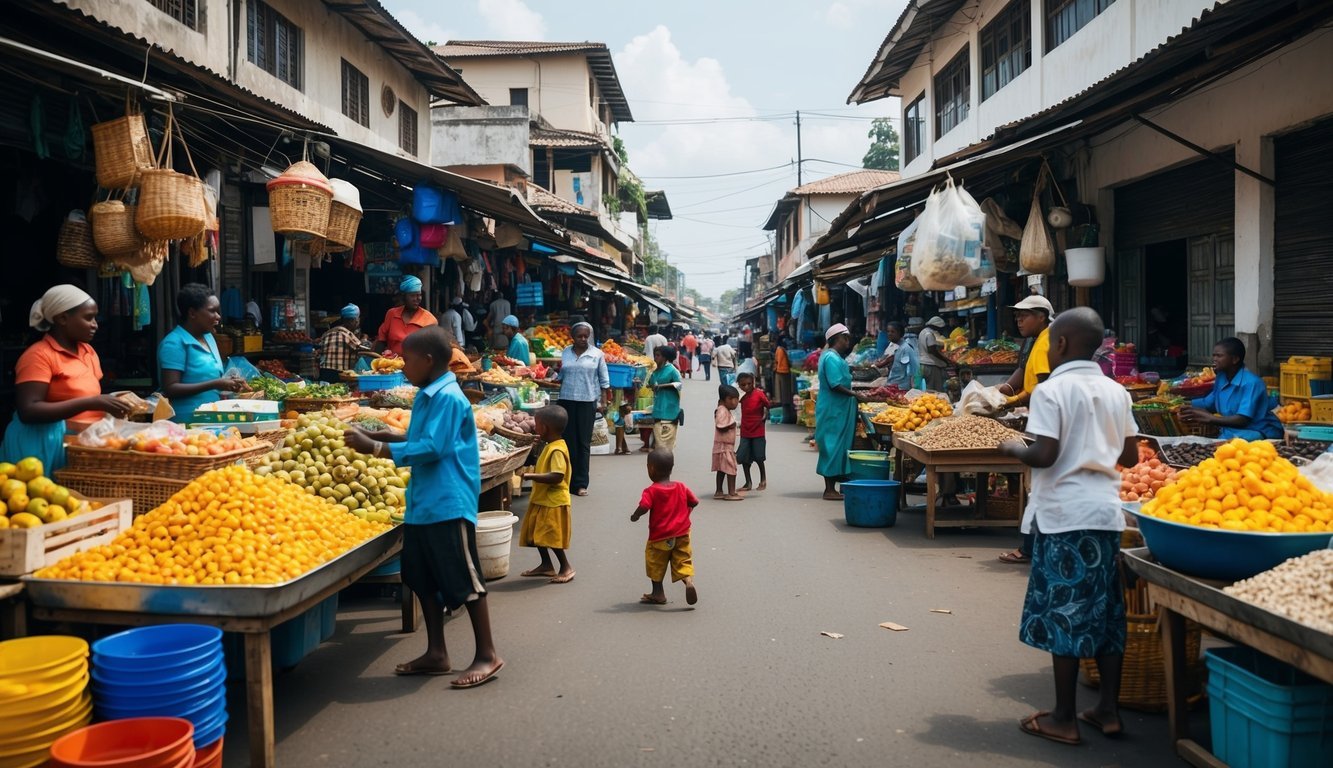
pixel 184 11
pixel 914 129
pixel 1006 47
pixel 274 43
pixel 407 128
pixel 356 94
pixel 518 97
pixel 1065 17
pixel 952 93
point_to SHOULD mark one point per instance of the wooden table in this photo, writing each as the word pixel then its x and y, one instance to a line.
pixel 13 612
pixel 982 462
pixel 1185 597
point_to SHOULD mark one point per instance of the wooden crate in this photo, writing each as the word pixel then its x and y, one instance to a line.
pixel 24 550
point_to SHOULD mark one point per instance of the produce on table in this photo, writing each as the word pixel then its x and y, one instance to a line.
pixel 498 377
pixel 173 440
pixel 922 411
pixel 1188 454
pixel 1147 477
pixel 322 391
pixel 386 364
pixel 1308 450
pixel 398 418
pixel 889 394
pixel 520 421
pixel 292 337
pixel 398 397
pixel 493 446
pixel 1300 589
pixel 890 415
pixel 963 432
pixel 229 526
pixel 28 498
pixel 556 338
pixel 315 457
pixel 369 423
pixel 1200 380
pixel 617 354
pixel 269 387
pixel 505 361
pixel 275 368
pixel 1293 411
pixel 1244 487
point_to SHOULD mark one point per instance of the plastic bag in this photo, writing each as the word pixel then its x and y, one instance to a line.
pixel 1036 255
pixel 110 432
pixel 903 278
pixel 980 400
pixel 948 239
pixel 999 229
pixel 600 434
pixel 238 365
pixel 984 269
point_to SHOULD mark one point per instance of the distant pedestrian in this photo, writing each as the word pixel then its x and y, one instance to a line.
pixel 665 383
pixel 668 505
pixel 706 357
pixel 724 442
pixel 753 447
pixel 622 420
pixel 547 525
pixel 724 355
pixel 690 346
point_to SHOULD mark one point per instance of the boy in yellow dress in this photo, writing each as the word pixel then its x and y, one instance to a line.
pixel 547 524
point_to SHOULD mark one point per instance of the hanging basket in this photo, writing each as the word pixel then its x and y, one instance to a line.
pixel 171 204
pixel 114 233
pixel 74 248
pixel 121 148
pixel 299 202
pixel 145 264
pixel 344 217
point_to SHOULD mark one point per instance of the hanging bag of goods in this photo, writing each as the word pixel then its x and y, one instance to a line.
pixel 74 248
pixel 1036 254
pixel 171 204
pixel 114 231
pixel 121 148
pixel 145 264
pixel 903 278
pixel 344 217
pixel 299 201
pixel 947 251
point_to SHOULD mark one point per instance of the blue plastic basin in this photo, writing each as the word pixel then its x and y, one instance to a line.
pixel 147 684
pixel 870 503
pixel 124 698
pixel 196 714
pixel 870 465
pixel 1214 553
pixel 160 646
pixel 210 731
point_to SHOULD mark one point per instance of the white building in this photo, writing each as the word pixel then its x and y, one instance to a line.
pixel 802 216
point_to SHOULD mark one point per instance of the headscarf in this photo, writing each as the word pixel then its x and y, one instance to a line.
pixel 349 312
pixel 582 324
pixel 57 300
pixel 510 321
pixel 410 284
pixel 936 322
pixel 838 328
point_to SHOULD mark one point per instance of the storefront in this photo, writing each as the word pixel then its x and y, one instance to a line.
pixel 1303 242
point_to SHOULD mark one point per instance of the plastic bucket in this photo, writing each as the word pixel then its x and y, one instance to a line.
pixel 30 658
pixel 145 742
pixel 870 465
pixel 211 730
pixel 1087 266
pixel 161 646
pixel 495 533
pixel 870 503
pixel 209 756
pixel 149 684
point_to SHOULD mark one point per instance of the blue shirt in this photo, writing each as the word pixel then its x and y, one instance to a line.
pixel 1246 395
pixel 583 377
pixel 666 402
pixel 441 449
pixel 518 349
pixel 905 367
pixel 197 362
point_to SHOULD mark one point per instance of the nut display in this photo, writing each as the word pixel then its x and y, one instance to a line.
pixel 922 411
pixel 1300 589
pixel 963 432
pixel 1301 449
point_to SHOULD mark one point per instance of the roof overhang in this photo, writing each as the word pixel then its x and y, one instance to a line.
pixel 908 37
pixel 780 210
pixel 597 55
pixel 658 206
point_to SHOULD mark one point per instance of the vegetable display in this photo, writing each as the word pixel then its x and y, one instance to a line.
pixel 1141 481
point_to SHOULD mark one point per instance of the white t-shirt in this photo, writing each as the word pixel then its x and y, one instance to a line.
pixel 724 357
pixel 929 337
pixel 1090 415
pixel 651 344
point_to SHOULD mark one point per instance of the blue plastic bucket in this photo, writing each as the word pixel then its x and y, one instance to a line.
pixel 870 503
pixel 163 645
pixel 1267 713
pixel 155 684
pixel 210 731
pixel 870 465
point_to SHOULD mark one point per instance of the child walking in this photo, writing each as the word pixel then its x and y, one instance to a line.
pixel 547 524
pixel 724 442
pixel 668 505
pixel 622 421
pixel 1075 605
pixel 440 561
pixel 753 448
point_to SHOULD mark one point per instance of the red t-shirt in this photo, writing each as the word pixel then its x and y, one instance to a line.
pixel 668 506
pixel 752 413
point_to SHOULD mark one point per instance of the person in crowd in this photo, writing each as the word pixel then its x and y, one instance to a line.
pixel 724 442
pixel 930 347
pixel 654 340
pixel 745 345
pixel 401 322
pixel 585 384
pixel 835 411
pixel 1239 402
pixel 191 371
pixel 1075 606
pixel 622 420
pixel 1033 315
pixel 497 312
pixel 341 347
pixel 689 346
pixel 782 382
pixel 58 380
pixel 668 505
pixel 458 319
pixel 706 345
pixel 459 363
pixel 724 357
pixel 753 448
pixel 440 561
pixel 547 525
pixel 903 362
pixel 517 342
pixel 665 381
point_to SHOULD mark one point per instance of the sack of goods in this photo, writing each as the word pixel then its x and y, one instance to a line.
pixel 948 248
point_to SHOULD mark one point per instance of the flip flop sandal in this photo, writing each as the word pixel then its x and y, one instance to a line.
pixel 482 681
pixel 558 579
pixel 647 600
pixel 1031 727
pixel 1012 559
pixel 1109 730
pixel 407 670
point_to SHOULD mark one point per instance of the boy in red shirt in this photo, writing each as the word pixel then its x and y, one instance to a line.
pixel 754 442
pixel 668 505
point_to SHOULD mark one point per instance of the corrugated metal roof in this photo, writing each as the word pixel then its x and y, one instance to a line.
pixel 851 182
pixel 598 56
pixel 913 30
pixel 555 137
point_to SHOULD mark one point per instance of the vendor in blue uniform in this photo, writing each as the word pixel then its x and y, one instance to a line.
pixel 1239 402
pixel 518 343
pixel 190 369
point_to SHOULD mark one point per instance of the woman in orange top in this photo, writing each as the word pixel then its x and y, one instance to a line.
pixel 58 378
pixel 401 322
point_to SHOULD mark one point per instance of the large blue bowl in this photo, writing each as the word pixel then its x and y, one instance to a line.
pixel 134 667
pixel 148 684
pixel 197 713
pixel 210 731
pixel 116 699
pixel 160 646
pixel 1214 553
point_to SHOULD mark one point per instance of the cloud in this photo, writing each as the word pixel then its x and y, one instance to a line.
pixel 425 31
pixel 839 15
pixel 846 14
pixel 512 20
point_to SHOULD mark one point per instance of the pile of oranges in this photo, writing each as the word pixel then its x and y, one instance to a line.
pixel 922 411
pixel 1293 410
pixel 229 526
pixel 1245 487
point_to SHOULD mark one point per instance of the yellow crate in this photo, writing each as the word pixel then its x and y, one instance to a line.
pixel 252 343
pixel 1298 371
pixel 1321 410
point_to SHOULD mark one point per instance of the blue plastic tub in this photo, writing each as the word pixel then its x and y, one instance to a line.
pixel 145 686
pixel 193 710
pixel 1265 713
pixel 373 382
pixel 870 465
pixel 1220 554
pixel 621 375
pixel 391 567
pixel 870 503
pixel 210 731
pixel 160 646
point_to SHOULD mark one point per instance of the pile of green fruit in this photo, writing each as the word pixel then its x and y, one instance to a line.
pixel 315 457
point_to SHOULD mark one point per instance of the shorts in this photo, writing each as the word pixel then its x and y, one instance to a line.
pixel 546 527
pixel 752 449
pixel 1075 604
pixel 674 551
pixel 724 462
pixel 441 559
pixel 666 434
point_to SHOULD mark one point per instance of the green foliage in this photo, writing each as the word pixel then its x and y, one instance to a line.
pixel 618 147
pixel 883 152
pixel 612 205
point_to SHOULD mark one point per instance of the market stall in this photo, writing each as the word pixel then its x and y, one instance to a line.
pixel 1000 511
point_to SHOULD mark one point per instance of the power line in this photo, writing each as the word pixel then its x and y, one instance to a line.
pixel 787 164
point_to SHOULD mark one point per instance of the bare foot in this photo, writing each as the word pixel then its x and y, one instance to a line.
pixel 832 496
pixel 644 449
pixel 745 487
pixel 479 673
pixel 540 572
pixel 564 577
pixel 719 495
pixel 691 594
pixel 1108 723
pixel 425 664
pixel 581 492
pixel 653 599
pixel 732 497
pixel 763 486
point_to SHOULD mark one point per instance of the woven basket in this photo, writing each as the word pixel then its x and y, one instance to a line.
pixel 171 204
pixel 342 226
pixel 114 233
pixel 316 404
pixel 122 149
pixel 81 458
pixel 148 493
pixel 145 264
pixel 519 438
pixel 299 202
pixel 74 248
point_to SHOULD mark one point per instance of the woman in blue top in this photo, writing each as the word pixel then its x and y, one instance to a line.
pixel 190 368
pixel 584 385
pixel 518 344
pixel 835 411
pixel 1239 402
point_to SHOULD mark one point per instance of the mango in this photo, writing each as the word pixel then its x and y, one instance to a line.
pixel 25 520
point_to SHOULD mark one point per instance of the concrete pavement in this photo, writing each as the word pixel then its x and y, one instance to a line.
pixel 593 678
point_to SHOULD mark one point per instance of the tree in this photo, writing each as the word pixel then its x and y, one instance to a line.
pixel 729 300
pixel 883 152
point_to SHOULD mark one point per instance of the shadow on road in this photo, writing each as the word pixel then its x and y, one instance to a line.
pixel 637 607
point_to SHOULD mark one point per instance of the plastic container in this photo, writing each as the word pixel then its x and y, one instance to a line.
pixel 1319 387
pixel 145 742
pixel 495 534
pixel 211 731
pixel 1086 266
pixel 621 375
pixel 209 756
pixel 1298 372
pixel 870 503
pixel 160 646
pixel 33 657
pixel 391 567
pixel 151 684
pixel 870 465
pixel 1220 554
pixel 297 638
pixel 1267 714
pixel 434 205
pixel 373 382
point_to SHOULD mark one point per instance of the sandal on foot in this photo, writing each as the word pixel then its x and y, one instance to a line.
pixel 407 670
pixel 1111 729
pixel 1015 558
pixel 1031 727
pixel 486 678
pixel 535 573
pixel 650 600
pixel 562 579
pixel 835 496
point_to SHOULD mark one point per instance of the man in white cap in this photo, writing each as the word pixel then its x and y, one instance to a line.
pixel 458 320
pixel 1033 315
pixel 931 347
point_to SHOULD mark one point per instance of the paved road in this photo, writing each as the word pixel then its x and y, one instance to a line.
pixel 745 678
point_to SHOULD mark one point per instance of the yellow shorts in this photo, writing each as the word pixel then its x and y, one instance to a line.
pixel 675 551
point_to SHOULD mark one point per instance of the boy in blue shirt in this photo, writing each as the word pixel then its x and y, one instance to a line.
pixel 440 561
pixel 1239 402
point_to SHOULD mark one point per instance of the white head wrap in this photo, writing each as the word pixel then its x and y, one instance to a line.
pixel 56 301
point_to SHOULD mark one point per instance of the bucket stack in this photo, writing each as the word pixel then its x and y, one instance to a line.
pixel 143 742
pixel 43 696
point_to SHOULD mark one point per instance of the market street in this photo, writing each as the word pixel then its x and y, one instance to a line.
pixel 593 678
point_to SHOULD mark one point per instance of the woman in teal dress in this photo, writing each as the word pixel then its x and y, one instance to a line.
pixel 190 369
pixel 835 411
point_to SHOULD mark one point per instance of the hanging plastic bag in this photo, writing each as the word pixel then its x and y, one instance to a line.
pixel 240 366
pixel 983 267
pixel 903 278
pixel 1001 231
pixel 948 239
pixel 1036 254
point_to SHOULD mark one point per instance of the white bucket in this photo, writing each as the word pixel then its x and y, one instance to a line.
pixel 495 534
pixel 1086 266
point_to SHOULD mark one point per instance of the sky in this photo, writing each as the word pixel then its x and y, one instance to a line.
pixel 713 87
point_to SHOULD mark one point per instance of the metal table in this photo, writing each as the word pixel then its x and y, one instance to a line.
pixel 1185 597
pixel 980 461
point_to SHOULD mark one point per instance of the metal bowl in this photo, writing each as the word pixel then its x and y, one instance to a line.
pixel 1214 553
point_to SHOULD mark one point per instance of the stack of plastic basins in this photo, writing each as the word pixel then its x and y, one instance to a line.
pixel 43 695
pixel 142 742
pixel 171 670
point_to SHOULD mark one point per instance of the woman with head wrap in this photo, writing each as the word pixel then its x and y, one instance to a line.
pixel 585 385
pixel 340 347
pixel 835 411
pixel 190 368
pixel 518 344
pixel 401 322
pixel 57 379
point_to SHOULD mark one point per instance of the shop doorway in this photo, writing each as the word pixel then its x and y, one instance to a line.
pixel 1166 301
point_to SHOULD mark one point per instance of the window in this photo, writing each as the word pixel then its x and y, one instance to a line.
pixel 273 43
pixel 1006 47
pixel 914 129
pixel 184 11
pixel 952 93
pixel 407 128
pixel 1065 17
pixel 518 97
pixel 356 94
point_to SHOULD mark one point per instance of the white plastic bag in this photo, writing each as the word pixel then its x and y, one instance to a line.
pixel 980 400
pixel 948 239
pixel 903 278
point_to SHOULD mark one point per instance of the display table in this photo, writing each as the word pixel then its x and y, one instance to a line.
pixel 979 461
pixel 13 613
pixel 1186 597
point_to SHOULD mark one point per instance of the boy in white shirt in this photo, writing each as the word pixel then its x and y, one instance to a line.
pixel 1075 606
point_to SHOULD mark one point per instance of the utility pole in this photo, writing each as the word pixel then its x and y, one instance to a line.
pixel 798 148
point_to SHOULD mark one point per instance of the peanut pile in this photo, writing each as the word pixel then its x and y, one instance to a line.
pixel 963 432
pixel 1300 589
